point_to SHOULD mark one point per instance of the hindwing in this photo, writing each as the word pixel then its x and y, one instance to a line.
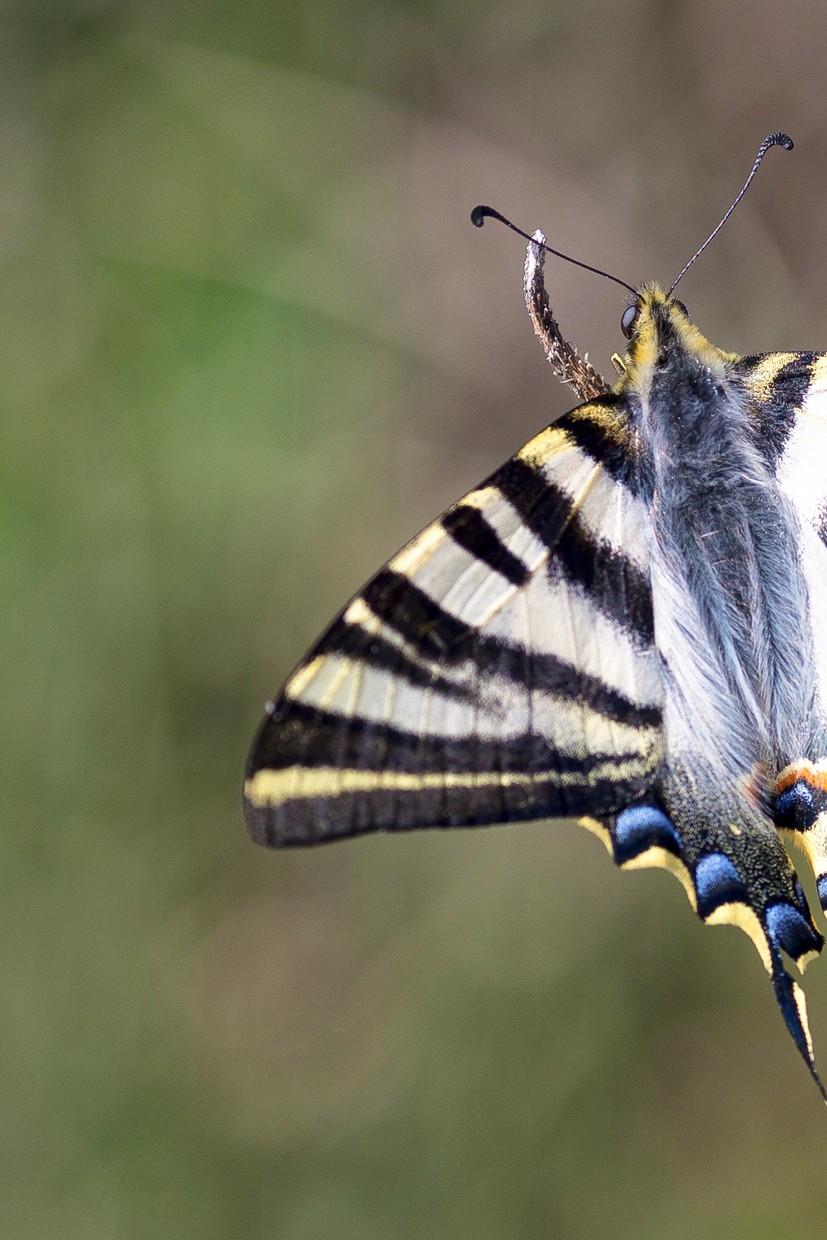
pixel 734 869
pixel 501 667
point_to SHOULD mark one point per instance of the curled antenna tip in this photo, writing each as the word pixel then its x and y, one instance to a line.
pixel 481 213
pixel 772 139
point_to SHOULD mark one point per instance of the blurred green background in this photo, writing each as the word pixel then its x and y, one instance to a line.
pixel 249 345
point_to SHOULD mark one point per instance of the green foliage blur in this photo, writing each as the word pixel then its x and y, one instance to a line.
pixel 249 345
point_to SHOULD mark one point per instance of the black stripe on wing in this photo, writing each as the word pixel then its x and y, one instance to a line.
pixel 470 530
pixel 319 820
pixel 601 430
pixel 315 776
pixel 776 404
pixel 431 630
pixel 614 584
pixel 303 735
pixel 434 633
pixel 353 641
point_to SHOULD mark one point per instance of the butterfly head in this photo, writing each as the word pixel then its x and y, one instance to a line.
pixel 661 334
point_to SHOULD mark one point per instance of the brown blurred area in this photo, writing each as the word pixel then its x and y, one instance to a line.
pixel 250 344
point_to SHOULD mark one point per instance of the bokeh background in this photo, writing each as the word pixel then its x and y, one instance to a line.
pixel 249 345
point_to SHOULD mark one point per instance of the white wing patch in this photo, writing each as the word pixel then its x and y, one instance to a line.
pixel 802 476
pixel 494 707
pixel 560 620
pixel 802 472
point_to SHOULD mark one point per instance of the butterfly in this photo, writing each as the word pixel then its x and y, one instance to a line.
pixel 625 624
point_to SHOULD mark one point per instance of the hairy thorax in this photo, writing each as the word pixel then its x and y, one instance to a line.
pixel 729 599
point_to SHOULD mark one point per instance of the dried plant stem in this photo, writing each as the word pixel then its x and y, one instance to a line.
pixel 564 359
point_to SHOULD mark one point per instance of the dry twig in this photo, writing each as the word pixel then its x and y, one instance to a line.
pixel 566 362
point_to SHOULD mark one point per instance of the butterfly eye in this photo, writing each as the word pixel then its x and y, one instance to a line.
pixel 680 306
pixel 627 322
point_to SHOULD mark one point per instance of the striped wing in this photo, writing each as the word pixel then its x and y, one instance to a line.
pixel 500 668
pixel 789 393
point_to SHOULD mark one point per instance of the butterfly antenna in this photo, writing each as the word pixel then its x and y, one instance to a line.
pixel 480 214
pixel 772 139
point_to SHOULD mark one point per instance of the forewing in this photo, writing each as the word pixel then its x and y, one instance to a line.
pixel 500 668
pixel 788 397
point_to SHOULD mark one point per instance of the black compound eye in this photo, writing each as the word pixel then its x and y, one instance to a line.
pixel 627 322
pixel 680 305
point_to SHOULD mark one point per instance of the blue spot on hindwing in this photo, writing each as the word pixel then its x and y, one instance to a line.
pixel 795 808
pixel 717 882
pixel 641 827
pixel 791 931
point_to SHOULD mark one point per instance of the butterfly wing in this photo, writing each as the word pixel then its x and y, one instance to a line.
pixel 733 868
pixel 788 392
pixel 500 668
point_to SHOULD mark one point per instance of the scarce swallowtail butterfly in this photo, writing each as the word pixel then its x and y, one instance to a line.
pixel 625 624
